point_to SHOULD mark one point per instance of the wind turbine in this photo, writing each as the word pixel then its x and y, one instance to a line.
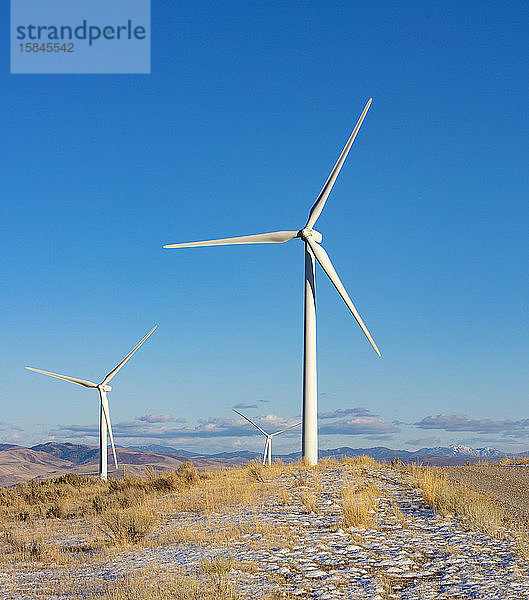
pixel 104 419
pixel 267 454
pixel 313 249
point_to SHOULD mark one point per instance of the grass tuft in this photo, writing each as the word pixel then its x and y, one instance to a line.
pixel 308 500
pixel 218 571
pixel 358 504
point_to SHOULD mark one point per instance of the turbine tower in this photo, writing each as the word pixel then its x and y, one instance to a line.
pixel 267 454
pixel 313 250
pixel 104 418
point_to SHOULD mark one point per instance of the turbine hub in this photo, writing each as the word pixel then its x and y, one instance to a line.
pixel 310 233
pixel 106 387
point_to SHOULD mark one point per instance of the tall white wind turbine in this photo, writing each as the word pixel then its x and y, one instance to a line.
pixel 313 250
pixel 267 454
pixel 104 418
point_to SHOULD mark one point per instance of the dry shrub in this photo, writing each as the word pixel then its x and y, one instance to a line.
pixel 121 498
pixel 72 495
pixel 130 525
pixel 62 509
pixel 218 571
pixel 255 470
pixel 14 540
pixel 72 479
pixel 188 473
pixel 64 497
pixel 165 481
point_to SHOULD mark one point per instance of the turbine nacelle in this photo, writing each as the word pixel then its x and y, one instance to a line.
pixel 105 387
pixel 307 233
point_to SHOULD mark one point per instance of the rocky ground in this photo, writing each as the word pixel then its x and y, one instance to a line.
pixel 407 550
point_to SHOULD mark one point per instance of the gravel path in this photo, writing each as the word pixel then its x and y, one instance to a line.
pixel 410 553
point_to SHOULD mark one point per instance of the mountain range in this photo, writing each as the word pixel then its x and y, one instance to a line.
pixel 455 450
pixel 51 459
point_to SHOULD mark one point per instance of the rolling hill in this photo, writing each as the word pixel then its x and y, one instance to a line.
pixel 52 459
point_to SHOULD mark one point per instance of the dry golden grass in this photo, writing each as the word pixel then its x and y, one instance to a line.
pixel 176 587
pixel 308 500
pixel 218 571
pixel 448 497
pixel 363 460
pixel 25 546
pixel 315 480
pixel 250 485
pixel 193 508
pixel 150 586
pixel 399 516
pixel 283 496
pixel 106 517
pixel 301 479
pixel 223 533
pixel 358 504
pixel 522 543
pixel 37 517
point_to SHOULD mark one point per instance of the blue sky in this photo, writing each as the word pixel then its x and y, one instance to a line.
pixel 234 132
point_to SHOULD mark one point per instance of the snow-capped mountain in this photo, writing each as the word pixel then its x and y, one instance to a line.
pixel 458 450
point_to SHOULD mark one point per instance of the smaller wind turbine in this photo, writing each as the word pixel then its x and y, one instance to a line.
pixel 267 454
pixel 104 420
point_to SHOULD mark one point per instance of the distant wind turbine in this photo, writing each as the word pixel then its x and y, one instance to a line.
pixel 267 454
pixel 104 420
pixel 313 249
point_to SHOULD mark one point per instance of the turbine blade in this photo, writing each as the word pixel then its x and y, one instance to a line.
pixel 106 412
pixel 119 365
pixel 82 382
pixel 265 453
pixel 277 237
pixel 316 209
pixel 326 264
pixel 286 429
pixel 250 421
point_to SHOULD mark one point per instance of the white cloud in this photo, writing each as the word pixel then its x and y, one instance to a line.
pixel 358 426
pixel 461 422
pixel 155 418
